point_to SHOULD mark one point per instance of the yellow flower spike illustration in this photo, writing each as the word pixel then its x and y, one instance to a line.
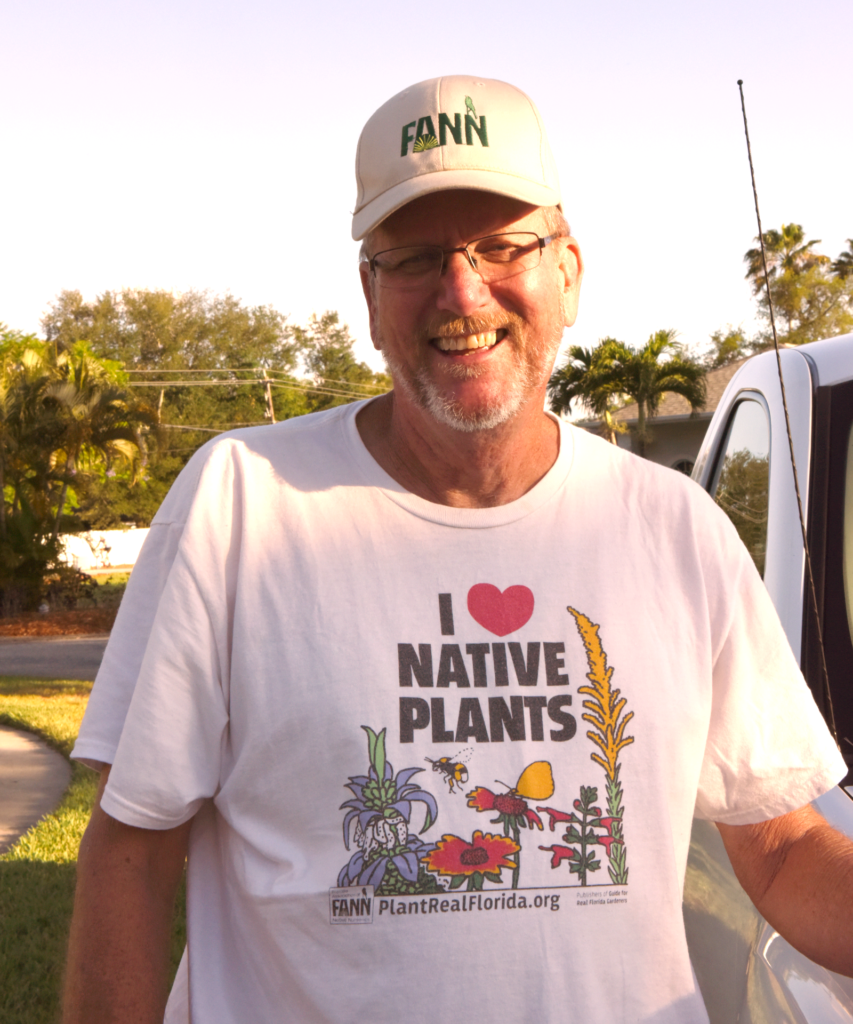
pixel 605 706
pixel 604 710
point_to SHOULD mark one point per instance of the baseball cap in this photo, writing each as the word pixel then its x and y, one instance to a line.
pixel 452 132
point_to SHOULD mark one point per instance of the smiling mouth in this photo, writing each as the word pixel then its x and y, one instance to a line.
pixel 470 342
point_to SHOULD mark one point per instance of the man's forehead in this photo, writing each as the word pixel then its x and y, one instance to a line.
pixel 442 218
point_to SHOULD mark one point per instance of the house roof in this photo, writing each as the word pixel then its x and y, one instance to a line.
pixel 672 405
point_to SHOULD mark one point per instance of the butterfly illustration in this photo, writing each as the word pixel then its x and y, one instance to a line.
pixel 536 782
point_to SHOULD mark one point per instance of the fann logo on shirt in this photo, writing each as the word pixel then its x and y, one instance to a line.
pixel 425 136
pixel 351 904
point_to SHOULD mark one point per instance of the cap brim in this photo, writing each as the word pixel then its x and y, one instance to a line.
pixel 480 180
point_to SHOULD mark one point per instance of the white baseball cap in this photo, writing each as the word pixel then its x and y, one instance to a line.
pixel 452 132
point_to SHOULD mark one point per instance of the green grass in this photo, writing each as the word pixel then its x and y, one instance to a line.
pixel 37 874
pixel 108 593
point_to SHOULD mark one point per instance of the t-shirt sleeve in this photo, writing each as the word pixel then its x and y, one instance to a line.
pixel 111 695
pixel 168 759
pixel 768 749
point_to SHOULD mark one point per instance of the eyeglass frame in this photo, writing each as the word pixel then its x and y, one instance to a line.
pixel 542 241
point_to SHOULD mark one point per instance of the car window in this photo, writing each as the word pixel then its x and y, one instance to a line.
pixel 742 479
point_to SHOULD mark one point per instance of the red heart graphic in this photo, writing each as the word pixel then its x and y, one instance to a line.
pixel 500 613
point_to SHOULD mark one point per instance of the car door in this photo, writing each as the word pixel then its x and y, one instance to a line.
pixel 747 972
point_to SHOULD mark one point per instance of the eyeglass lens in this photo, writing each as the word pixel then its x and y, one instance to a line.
pixel 494 257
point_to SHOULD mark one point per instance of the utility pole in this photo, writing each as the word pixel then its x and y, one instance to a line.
pixel 268 390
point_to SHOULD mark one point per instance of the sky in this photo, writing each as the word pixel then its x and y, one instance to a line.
pixel 211 145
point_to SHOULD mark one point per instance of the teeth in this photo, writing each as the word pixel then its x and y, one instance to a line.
pixel 466 343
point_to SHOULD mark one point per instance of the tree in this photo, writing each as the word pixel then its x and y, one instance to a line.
pixel 843 266
pixel 786 250
pixel 643 377
pixel 100 421
pixel 614 368
pixel 727 347
pixel 742 491
pixel 326 349
pixel 206 357
pixel 597 376
pixel 586 378
pixel 61 412
pixel 157 329
pixel 157 334
pixel 30 430
pixel 812 295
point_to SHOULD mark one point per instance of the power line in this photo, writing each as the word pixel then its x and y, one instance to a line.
pixel 212 430
pixel 272 375
pixel 232 383
pixel 322 391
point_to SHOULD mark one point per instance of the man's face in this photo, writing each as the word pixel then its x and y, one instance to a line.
pixel 471 354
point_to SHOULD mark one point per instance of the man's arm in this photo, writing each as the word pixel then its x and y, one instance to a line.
pixel 798 871
pixel 118 956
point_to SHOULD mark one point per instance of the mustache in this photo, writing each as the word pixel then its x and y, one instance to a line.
pixel 467 325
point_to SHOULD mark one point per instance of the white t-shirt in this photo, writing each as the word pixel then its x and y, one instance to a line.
pixel 443 762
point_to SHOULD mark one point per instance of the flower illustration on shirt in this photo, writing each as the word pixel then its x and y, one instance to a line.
pixel 581 825
pixel 536 782
pixel 586 826
pixel 388 856
pixel 605 711
pixel 481 858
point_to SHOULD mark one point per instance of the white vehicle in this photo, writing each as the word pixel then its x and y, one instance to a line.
pixel 747 972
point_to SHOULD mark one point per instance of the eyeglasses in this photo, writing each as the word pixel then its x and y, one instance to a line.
pixel 495 258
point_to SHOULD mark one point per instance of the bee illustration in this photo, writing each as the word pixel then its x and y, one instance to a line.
pixel 453 768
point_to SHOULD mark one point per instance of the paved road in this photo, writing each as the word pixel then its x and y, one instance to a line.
pixel 59 658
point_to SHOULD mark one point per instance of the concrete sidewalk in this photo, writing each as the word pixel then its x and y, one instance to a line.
pixel 32 779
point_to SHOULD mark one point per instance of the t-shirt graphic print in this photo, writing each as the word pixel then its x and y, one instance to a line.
pixel 401 848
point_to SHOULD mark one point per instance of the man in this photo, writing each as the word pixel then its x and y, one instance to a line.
pixel 345 628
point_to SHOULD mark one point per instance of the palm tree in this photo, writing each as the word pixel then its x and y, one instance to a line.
pixel 789 258
pixel 785 250
pixel 99 422
pixel 645 375
pixel 597 376
pixel 27 432
pixel 586 377
pixel 26 428
pixel 843 266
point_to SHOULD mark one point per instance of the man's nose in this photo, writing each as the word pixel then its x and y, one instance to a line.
pixel 461 289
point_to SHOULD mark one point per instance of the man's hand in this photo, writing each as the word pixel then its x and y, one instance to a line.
pixel 798 871
pixel 118 955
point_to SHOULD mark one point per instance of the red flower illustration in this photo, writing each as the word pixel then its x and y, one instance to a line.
pixel 484 855
pixel 510 807
pixel 556 816
pixel 482 799
pixel 607 842
pixel 560 853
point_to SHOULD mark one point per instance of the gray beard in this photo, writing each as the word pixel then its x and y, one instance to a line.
pixel 424 393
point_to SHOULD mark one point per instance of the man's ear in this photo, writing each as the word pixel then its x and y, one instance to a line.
pixel 370 299
pixel 571 268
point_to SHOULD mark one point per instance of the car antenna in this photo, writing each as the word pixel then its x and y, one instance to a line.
pixel 809 573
